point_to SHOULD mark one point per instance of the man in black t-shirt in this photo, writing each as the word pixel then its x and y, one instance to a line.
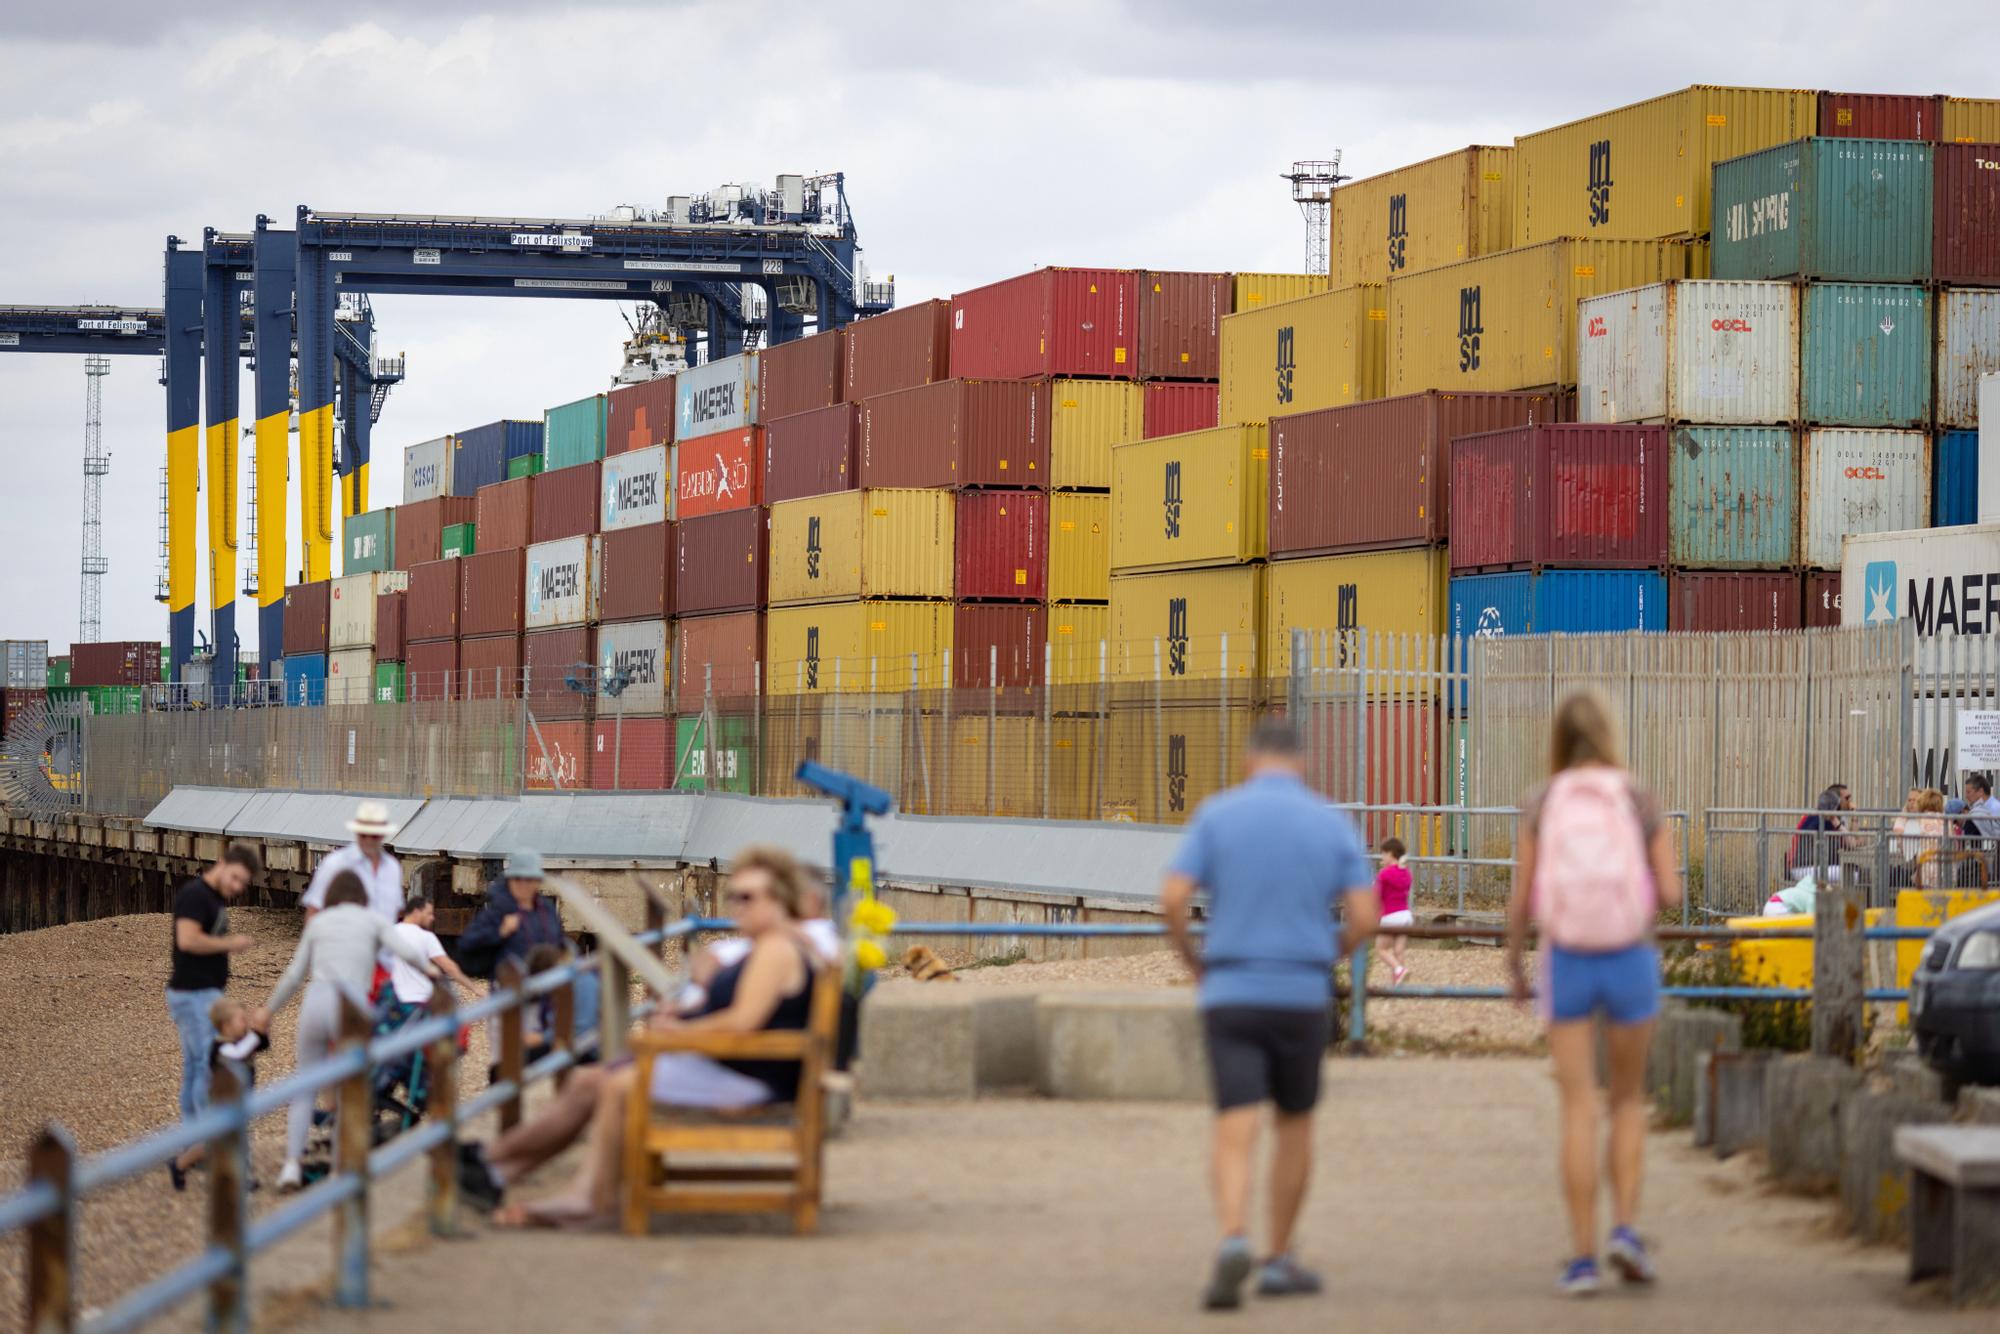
pixel 202 945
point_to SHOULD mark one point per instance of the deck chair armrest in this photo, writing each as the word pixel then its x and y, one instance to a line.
pixel 769 1045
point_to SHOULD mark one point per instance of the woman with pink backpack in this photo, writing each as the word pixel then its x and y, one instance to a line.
pixel 1596 866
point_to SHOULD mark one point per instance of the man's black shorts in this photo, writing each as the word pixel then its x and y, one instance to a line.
pixel 1259 1054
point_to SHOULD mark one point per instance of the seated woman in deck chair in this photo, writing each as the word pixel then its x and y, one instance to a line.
pixel 769 988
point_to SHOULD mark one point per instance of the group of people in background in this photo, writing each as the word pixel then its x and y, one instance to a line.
pixel 1930 843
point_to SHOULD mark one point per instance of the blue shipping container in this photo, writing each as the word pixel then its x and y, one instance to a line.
pixel 1572 602
pixel 485 451
pixel 305 679
pixel 1955 479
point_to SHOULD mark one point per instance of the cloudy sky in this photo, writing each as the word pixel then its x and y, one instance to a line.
pixel 977 142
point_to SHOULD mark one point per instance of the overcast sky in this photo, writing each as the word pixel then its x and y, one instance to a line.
pixel 977 142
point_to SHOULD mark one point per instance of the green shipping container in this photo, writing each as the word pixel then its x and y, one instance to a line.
pixel 103 701
pixel 1733 498
pixel 574 433
pixel 389 678
pixel 735 757
pixel 1851 210
pixel 369 542
pixel 458 541
pixel 58 674
pixel 1865 355
pixel 523 465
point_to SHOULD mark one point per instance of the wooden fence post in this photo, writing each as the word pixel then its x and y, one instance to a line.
pixel 509 978
pixel 614 1006
pixel 52 1241
pixel 353 1137
pixel 562 1036
pixel 441 1074
pixel 229 1205
pixel 1840 964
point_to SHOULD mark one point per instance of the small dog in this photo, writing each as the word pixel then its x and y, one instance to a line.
pixel 925 966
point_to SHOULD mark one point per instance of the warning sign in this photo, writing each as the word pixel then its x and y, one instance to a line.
pixel 1978 739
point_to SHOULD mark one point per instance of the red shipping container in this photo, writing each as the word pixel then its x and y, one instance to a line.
pixel 431 610
pixel 898 350
pixel 719 562
pixel 1002 541
pixel 136 662
pixel 635 757
pixel 1712 601
pixel 811 453
pixel 506 514
pixel 719 472
pixel 1881 116
pixel 420 527
pixel 1167 408
pixel 1010 637
pixel 639 416
pixel 1822 609
pixel 548 658
pixel 801 375
pixel 306 609
pixel 390 617
pixel 719 653
pixel 1965 246
pixel 1049 322
pixel 957 433
pixel 430 670
pixel 492 585
pixel 559 758
pixel 490 667
pixel 16 701
pixel 1377 475
pixel 635 574
pixel 1180 324
pixel 566 502
pixel 1578 495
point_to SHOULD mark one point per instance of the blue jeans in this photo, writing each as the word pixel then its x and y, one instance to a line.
pixel 190 1012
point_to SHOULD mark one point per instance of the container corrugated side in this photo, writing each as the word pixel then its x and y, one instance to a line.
pixel 1712 352
pixel 1955 479
pixel 1880 116
pixel 1733 497
pixel 391 622
pixel 855 647
pixel 1254 291
pixel 427 469
pixel 1865 355
pixel 1860 481
pixel 641 652
pixel 899 349
pixel 1970 120
pixel 304 675
pixel 560 586
pixel 350 676
pixel 1968 349
pixel 391 683
pixel 718 472
pixel 1180 319
pixel 1822 599
pixel 459 539
pixel 433 608
pixel 878 543
pixel 1439 211
pixel 1719 601
pixel 490 666
pixel 1053 321
pixel 484 452
pixel 1205 624
pixel 1966 214
pixel 25 665
pixel 639 416
pixel 1571 494
pixel 811 453
pixel 490 597
pixel 566 501
pixel 716 396
pixel 350 617
pixel 505 514
pixel 432 671
pixel 954 433
pixel 719 562
pixel 305 629
pixel 420 527
pixel 1079 643
pixel 1317 352
pixel 549 658
pixel 635 579
pixel 559 759
pixel 801 375
pixel 1001 546
pixel 1381 592
pixel 1173 408
pixel 998 644
pixel 1642 171
pixel 1567 602
pixel 1509 321
pixel 573 433
pixel 717 654
pixel 637 487
pixel 1846 210
pixel 368 541
pixel 1087 419
pixel 1079 547
pixel 1190 500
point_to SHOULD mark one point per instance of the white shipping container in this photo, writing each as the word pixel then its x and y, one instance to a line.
pixel 1696 350
pixel 26 664
pixel 350 612
pixel 350 676
pixel 716 396
pixel 561 586
pixel 1989 447
pixel 1945 579
pixel 1968 350
pixel 638 488
pixel 427 470
pixel 1854 481
pixel 639 650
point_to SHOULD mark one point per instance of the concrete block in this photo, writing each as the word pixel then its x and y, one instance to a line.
pixel 1733 1097
pixel 918 1041
pixel 1980 1106
pixel 1136 1045
pixel 1912 1077
pixel 1683 1035
pixel 1003 1033
pixel 1802 1097
pixel 1874 1184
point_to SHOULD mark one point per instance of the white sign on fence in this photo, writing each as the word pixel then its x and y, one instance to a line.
pixel 1978 739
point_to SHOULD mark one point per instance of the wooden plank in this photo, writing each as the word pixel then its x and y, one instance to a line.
pixel 665 1137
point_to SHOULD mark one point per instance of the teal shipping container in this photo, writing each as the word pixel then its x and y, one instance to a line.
pixel 1733 498
pixel 523 465
pixel 1848 210
pixel 369 542
pixel 574 433
pixel 1955 479
pixel 1865 355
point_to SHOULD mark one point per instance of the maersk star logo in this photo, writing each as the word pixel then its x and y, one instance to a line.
pixel 1880 581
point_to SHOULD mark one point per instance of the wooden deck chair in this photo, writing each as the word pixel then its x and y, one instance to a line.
pixel 659 1176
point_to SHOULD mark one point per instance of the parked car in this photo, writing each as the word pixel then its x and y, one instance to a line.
pixel 1955 998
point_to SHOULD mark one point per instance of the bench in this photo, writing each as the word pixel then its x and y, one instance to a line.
pixel 1954 1206
pixel 681 1161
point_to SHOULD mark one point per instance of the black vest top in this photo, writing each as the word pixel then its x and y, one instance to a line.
pixel 781 1077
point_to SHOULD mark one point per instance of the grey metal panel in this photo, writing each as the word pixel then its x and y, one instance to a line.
pixel 312 817
pixel 200 810
pixel 599 827
pixel 457 826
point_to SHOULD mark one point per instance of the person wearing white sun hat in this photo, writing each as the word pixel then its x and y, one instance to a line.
pixel 381 874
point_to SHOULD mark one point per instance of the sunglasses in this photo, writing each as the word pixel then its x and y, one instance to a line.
pixel 742 897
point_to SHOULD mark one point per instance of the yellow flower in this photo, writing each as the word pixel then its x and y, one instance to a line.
pixel 869 955
pixel 874 916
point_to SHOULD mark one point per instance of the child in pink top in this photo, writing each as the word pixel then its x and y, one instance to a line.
pixel 1393 886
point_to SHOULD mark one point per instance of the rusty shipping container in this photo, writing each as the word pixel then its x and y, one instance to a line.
pixel 432 610
pixel 505 514
pixel 1880 116
pixel 957 433
pixel 306 609
pixel 136 662
pixel 420 527
pixel 566 501
pixel 639 416
pixel 635 755
pixel 719 562
pixel 722 654
pixel 548 659
pixel 1170 408
pixel 801 375
pixel 1718 601
pixel 489 667
pixel 1439 211
pixel 1560 495
pixel 1706 351
pixel 491 592
pixel 1377 475
pixel 718 472
pixel 1822 609
pixel 635 574
pixel 559 759
pixel 1053 321
pixel 1180 324
pixel 1968 350
pixel 1859 481
pixel 1003 546
pixel 900 349
pixel 811 453
pixel 998 644
pixel 391 616
pixel 1966 215
pixel 432 671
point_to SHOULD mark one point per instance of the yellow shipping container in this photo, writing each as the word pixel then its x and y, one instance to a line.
pixel 1316 352
pixel 1086 418
pixel 1079 639
pixel 1206 624
pixel 1253 291
pixel 1079 547
pixel 1418 217
pixel 884 543
pixel 1642 171
pixel 1382 592
pixel 1179 501
pixel 1970 120
pixel 829 646
pixel 1163 763
pixel 1508 321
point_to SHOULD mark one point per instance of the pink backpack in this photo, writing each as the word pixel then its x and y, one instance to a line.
pixel 1593 888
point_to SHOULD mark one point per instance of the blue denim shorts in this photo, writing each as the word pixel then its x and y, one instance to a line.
pixel 1623 985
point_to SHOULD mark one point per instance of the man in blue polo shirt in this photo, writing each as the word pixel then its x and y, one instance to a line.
pixel 1276 861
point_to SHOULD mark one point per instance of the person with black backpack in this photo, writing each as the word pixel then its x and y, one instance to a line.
pixel 517 917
